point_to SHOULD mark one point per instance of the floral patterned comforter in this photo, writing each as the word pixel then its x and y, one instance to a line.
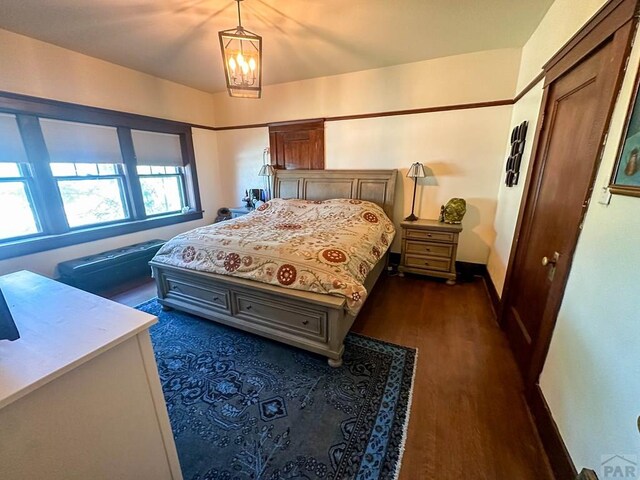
pixel 320 246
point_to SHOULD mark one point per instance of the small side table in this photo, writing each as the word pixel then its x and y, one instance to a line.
pixel 239 211
pixel 429 247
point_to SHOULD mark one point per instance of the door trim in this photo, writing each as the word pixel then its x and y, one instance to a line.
pixel 617 19
pixel 611 17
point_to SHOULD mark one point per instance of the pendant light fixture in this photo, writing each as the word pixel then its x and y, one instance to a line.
pixel 242 58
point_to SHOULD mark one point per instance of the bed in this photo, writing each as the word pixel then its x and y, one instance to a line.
pixel 317 320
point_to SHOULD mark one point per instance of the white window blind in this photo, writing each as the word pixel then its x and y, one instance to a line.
pixel 71 142
pixel 11 147
pixel 157 149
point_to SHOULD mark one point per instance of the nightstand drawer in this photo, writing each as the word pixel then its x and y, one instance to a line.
pixel 429 235
pixel 428 263
pixel 427 248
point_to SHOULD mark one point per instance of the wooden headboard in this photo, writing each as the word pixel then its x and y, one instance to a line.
pixel 377 186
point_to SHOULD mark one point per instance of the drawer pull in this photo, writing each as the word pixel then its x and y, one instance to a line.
pixel 426 263
pixel 428 235
pixel 216 299
pixel 305 322
pixel 249 307
pixel 175 287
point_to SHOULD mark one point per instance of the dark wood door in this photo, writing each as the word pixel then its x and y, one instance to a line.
pixel 577 105
pixel 297 146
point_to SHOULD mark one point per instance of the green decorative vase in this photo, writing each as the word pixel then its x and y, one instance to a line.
pixel 454 210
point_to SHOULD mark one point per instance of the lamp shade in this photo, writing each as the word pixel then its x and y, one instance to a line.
pixel 416 170
pixel 266 171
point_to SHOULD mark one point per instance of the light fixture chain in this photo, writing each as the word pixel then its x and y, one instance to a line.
pixel 239 19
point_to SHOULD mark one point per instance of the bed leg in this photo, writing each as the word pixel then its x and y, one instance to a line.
pixel 335 363
pixel 166 308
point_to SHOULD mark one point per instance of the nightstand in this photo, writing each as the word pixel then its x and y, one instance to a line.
pixel 239 211
pixel 429 247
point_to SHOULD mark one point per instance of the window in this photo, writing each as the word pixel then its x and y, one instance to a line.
pixel 88 174
pixel 159 166
pixel 162 189
pixel 86 162
pixel 18 217
pixel 92 193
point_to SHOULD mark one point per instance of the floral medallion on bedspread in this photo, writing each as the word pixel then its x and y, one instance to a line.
pixel 319 246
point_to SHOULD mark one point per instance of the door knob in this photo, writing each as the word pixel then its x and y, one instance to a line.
pixel 550 261
pixel 546 261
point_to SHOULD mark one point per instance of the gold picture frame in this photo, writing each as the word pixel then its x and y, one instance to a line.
pixel 625 178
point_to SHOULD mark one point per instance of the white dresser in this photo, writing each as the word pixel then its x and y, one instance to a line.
pixel 80 396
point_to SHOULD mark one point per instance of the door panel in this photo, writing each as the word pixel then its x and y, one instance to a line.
pixel 297 146
pixel 576 114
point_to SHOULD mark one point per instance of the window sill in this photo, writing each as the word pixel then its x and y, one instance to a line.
pixel 51 242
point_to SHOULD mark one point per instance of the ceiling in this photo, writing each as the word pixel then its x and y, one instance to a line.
pixel 178 39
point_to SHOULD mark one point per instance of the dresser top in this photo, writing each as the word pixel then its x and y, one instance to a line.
pixel 427 224
pixel 60 328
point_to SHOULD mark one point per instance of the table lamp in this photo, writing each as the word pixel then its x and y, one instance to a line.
pixel 267 170
pixel 416 171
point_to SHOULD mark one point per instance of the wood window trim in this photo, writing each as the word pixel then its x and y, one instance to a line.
pixel 48 203
pixel 51 242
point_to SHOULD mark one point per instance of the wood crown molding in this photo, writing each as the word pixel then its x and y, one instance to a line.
pixel 390 113
pixel 537 79
pixel 16 102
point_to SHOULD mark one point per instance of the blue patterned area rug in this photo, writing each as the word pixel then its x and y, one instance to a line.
pixel 244 407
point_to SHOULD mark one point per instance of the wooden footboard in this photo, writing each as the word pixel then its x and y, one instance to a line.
pixel 311 321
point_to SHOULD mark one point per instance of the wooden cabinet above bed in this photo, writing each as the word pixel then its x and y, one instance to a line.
pixel 297 146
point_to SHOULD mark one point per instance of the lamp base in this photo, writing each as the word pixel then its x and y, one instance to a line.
pixel 411 218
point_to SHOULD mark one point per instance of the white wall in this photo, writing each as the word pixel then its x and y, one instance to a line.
pixel 463 148
pixel 240 153
pixel 469 78
pixel 36 68
pixel 509 198
pixel 563 19
pixel 32 67
pixel 590 375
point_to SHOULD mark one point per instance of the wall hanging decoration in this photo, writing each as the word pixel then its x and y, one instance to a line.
pixel 518 136
pixel 626 174
pixel 242 59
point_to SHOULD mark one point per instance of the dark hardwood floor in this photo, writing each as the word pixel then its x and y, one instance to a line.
pixel 468 417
